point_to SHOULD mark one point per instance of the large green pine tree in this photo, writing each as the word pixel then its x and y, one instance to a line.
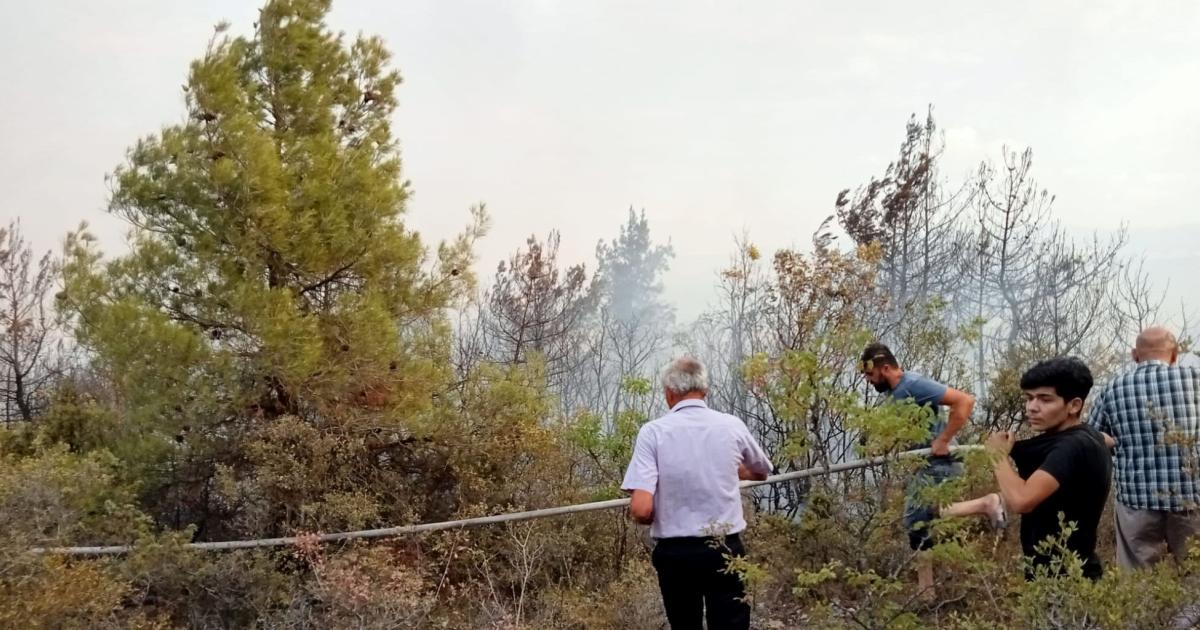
pixel 274 321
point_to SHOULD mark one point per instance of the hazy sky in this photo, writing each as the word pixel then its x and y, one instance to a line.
pixel 716 118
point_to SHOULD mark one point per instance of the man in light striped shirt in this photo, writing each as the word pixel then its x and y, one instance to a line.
pixel 684 476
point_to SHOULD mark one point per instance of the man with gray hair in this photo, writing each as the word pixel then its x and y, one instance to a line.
pixel 1153 414
pixel 684 476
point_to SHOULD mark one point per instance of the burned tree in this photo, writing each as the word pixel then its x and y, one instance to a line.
pixel 26 323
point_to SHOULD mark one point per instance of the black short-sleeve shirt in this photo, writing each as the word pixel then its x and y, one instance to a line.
pixel 1078 459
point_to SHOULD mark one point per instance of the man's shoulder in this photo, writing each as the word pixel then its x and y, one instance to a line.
pixel 722 418
pixel 915 385
pixel 732 420
pixel 1086 438
pixel 657 423
pixel 1182 372
pixel 1160 368
pixel 920 380
pixel 1096 456
pixel 652 427
pixel 1084 435
pixel 1076 455
pixel 1123 384
pixel 710 415
pixel 1088 434
pixel 1158 373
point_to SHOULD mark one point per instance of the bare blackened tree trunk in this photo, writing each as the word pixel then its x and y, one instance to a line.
pixel 1013 212
pixel 534 308
pixel 1135 302
pixel 1048 291
pixel 913 215
pixel 26 324
pixel 1042 292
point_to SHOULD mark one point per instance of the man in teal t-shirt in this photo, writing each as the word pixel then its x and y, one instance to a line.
pixel 882 370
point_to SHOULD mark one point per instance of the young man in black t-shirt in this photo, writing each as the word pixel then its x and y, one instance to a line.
pixel 1065 469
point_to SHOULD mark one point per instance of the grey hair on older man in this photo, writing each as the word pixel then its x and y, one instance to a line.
pixel 685 375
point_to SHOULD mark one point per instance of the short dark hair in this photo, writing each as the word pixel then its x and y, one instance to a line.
pixel 877 354
pixel 1069 376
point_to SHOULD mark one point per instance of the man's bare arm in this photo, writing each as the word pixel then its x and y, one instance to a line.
pixel 745 474
pixel 961 404
pixel 641 507
pixel 1023 495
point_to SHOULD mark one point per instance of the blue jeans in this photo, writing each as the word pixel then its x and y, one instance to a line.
pixel 918 515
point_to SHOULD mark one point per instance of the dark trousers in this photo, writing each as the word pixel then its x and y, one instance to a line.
pixel 693 583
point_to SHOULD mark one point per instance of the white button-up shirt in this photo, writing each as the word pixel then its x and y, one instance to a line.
pixel 688 459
